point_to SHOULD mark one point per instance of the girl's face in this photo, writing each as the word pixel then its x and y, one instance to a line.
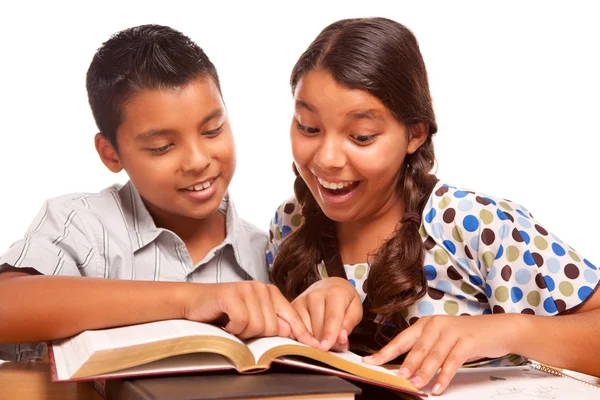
pixel 348 147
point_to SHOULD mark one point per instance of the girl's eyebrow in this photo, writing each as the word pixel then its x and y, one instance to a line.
pixel 303 104
pixel 368 114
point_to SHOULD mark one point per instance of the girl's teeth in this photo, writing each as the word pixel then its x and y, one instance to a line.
pixel 334 185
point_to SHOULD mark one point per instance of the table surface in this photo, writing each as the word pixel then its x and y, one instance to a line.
pixel 31 380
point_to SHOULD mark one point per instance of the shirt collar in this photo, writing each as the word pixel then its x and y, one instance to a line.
pixel 143 230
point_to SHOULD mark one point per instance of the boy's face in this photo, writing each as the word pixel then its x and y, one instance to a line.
pixel 177 148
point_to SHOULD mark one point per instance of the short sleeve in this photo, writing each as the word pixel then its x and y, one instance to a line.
pixel 55 243
pixel 509 256
pixel 287 218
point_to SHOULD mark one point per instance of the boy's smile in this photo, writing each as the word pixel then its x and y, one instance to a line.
pixel 177 148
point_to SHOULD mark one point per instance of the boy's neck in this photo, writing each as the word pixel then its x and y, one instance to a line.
pixel 199 235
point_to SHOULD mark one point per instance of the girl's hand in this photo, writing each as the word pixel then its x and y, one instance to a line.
pixel 330 309
pixel 246 309
pixel 447 342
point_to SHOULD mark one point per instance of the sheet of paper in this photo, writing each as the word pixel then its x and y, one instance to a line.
pixel 513 383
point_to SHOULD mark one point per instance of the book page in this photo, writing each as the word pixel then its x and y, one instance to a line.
pixel 151 332
pixel 176 365
pixel 72 353
pixel 513 383
pixel 260 346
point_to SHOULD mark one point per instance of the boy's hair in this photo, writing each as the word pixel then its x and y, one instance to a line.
pixel 140 58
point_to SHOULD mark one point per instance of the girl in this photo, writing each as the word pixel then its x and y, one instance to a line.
pixel 370 224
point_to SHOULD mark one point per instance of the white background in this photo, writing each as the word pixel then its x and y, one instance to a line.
pixel 515 86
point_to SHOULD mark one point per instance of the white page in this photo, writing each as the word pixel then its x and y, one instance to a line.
pixel 71 353
pixel 260 346
pixel 513 383
pixel 151 332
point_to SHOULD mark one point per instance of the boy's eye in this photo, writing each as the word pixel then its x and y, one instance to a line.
pixel 214 132
pixel 307 129
pixel 363 139
pixel 160 150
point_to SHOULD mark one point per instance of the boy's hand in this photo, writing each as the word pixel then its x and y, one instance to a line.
pixel 330 309
pixel 446 342
pixel 252 309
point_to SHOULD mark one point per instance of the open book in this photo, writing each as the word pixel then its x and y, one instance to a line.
pixel 178 346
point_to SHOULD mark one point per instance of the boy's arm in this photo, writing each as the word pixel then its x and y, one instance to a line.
pixel 36 308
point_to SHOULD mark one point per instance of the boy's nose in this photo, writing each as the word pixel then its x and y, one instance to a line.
pixel 197 158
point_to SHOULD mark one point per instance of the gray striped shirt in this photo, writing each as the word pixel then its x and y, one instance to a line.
pixel 112 235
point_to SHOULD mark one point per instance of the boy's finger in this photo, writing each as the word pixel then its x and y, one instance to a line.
pixel 271 326
pixel 256 319
pixel 283 328
pixel 286 312
pixel 237 313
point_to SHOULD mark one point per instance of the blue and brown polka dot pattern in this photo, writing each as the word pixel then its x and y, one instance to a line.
pixel 483 255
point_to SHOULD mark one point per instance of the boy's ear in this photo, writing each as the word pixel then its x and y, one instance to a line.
pixel 107 153
pixel 417 134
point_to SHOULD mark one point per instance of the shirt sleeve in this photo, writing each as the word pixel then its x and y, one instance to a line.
pixel 287 218
pixel 518 264
pixel 56 243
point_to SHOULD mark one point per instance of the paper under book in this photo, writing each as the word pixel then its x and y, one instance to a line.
pixel 178 346
pixel 531 381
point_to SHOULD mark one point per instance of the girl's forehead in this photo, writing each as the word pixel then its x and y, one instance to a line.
pixel 319 92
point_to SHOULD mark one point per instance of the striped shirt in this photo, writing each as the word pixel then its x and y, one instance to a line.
pixel 112 235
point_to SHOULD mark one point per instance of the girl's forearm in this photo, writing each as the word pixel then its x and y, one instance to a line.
pixel 566 341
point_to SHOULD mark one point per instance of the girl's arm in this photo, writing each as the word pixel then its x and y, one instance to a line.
pixel 568 341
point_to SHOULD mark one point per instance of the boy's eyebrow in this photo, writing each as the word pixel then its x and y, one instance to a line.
pixel 215 114
pixel 158 132
pixel 151 133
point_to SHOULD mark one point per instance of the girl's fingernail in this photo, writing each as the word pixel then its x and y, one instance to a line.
pixel 415 380
pixel 323 345
pixel 436 388
pixel 403 371
pixel 345 334
pixel 368 359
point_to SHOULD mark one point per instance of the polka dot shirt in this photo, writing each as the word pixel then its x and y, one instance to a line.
pixel 483 255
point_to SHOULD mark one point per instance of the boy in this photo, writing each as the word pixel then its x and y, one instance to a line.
pixel 156 100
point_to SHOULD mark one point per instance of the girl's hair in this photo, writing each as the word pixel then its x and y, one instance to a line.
pixel 381 57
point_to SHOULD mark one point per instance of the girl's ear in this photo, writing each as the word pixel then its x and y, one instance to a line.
pixel 107 153
pixel 417 134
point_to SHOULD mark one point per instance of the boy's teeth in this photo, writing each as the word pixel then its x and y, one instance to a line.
pixel 334 185
pixel 203 185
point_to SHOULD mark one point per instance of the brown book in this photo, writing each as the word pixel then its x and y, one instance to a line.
pixel 220 386
pixel 180 346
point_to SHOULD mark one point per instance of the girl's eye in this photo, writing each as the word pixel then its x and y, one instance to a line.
pixel 307 129
pixel 363 139
pixel 214 132
pixel 160 150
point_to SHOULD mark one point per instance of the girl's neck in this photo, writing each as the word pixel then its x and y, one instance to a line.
pixel 357 240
